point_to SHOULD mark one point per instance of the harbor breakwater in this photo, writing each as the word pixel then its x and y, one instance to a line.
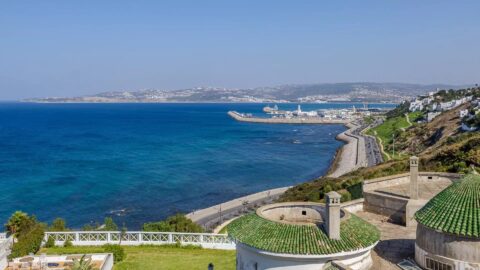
pixel 278 120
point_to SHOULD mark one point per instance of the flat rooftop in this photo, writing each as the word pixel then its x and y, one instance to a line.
pixel 426 189
pixel 101 261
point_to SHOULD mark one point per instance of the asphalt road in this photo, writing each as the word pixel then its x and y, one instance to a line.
pixel 212 221
pixel 374 156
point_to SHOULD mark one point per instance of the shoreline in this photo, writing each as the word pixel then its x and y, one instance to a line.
pixel 217 215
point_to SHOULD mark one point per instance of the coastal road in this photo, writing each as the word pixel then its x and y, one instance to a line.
pixel 211 217
pixel 374 156
pixel 372 151
pixel 213 220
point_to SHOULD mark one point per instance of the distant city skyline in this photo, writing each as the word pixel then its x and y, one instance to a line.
pixel 63 48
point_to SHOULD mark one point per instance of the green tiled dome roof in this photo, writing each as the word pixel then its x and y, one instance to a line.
pixel 455 210
pixel 276 237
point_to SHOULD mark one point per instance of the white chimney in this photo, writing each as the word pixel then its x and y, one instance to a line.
pixel 332 224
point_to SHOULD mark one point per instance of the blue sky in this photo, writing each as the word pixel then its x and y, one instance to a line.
pixel 65 48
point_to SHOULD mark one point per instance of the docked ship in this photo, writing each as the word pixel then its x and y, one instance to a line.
pixel 269 109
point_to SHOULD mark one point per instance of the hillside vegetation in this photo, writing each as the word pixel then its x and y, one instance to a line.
pixel 440 145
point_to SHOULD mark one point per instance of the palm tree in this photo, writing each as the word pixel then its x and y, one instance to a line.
pixel 83 264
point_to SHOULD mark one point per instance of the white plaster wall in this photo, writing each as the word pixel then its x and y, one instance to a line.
pixel 421 254
pixel 108 264
pixel 353 206
pixel 294 213
pixel 247 258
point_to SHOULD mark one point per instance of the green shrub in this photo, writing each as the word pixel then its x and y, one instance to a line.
pixel 58 225
pixel 28 242
pixel 356 190
pixel 67 243
pixel 117 251
pixel 346 196
pixel 327 188
pixel 50 242
pixel 176 223
pixel 110 225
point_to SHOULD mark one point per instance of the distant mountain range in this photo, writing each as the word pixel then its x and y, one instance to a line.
pixel 300 93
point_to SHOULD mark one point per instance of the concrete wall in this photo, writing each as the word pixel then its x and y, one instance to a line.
pixel 354 205
pixel 392 207
pixel 251 259
pixel 108 263
pixel 395 207
pixel 404 178
pixel 294 214
pixel 422 255
pixel 448 245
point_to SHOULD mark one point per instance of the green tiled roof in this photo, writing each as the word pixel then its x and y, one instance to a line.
pixel 277 237
pixel 455 210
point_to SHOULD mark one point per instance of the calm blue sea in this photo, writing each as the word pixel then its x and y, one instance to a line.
pixel 143 162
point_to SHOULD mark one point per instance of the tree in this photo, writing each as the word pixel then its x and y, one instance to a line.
pixel 17 220
pixel 110 224
pixel 58 225
pixel 82 264
pixel 28 232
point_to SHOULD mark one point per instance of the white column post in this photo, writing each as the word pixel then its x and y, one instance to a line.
pixel 414 178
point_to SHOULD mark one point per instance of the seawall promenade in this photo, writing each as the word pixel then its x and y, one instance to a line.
pixel 277 120
pixel 353 154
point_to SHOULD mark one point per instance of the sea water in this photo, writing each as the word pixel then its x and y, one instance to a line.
pixel 144 162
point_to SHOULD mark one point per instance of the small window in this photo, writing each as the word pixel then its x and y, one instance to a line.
pixel 436 265
pixel 304 213
pixel 430 177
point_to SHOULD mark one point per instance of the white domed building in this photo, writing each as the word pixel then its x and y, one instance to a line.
pixel 448 228
pixel 303 236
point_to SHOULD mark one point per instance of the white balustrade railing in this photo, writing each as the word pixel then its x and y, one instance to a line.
pixel 97 238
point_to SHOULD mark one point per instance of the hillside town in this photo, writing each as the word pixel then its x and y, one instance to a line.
pixel 437 102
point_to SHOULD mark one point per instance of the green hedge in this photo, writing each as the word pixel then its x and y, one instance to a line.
pixel 356 190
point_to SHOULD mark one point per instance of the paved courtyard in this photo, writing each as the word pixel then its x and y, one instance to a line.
pixel 397 242
pixel 426 189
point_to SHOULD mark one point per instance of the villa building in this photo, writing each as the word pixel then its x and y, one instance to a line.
pixel 448 230
pixel 303 236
